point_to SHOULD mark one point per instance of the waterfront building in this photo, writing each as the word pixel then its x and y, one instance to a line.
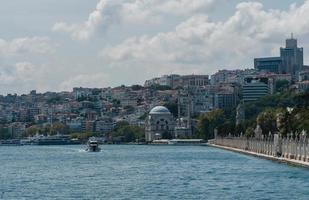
pixel 159 123
pixel 269 64
pixel 255 88
pixel 292 57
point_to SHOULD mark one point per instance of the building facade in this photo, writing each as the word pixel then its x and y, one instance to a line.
pixel 292 57
pixel 159 123
pixel 255 88
pixel 270 64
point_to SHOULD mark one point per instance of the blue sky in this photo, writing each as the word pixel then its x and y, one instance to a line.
pixel 56 45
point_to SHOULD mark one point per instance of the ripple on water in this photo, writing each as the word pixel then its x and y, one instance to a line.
pixel 144 172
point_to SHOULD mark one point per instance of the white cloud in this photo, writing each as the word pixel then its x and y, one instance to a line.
pixel 109 12
pixel 36 45
pixel 201 45
pixel 84 80
pixel 23 75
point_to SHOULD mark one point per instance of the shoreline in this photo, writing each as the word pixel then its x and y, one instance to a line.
pixel 295 163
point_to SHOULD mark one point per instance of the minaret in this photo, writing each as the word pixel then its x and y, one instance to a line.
pixel 178 106
pixel 189 114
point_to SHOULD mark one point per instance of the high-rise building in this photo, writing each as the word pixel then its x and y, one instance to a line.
pixel 269 64
pixel 255 88
pixel 292 57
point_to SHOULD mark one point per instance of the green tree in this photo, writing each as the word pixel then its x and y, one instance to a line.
pixel 249 132
pixel 282 85
pixel 167 135
pixel 172 107
pixel 128 133
pixel 210 121
pixel 31 131
pixel 60 128
pixel 267 121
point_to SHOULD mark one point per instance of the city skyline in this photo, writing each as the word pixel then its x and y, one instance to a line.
pixel 104 43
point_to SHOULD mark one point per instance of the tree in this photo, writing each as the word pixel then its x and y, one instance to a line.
pixel 4 134
pixel 249 132
pixel 203 127
pixel 59 127
pixel 208 122
pixel 136 87
pixel 282 85
pixel 267 121
pixel 167 135
pixel 127 132
pixel 172 107
pixel 226 128
pixel 31 131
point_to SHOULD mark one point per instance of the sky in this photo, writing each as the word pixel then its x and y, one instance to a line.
pixel 50 45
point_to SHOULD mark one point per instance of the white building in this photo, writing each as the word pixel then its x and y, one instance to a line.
pixel 160 121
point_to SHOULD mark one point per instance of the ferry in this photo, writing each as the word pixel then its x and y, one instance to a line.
pixel 188 142
pixel 93 145
pixel 13 142
pixel 54 140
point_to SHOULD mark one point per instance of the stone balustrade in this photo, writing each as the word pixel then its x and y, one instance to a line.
pixel 295 149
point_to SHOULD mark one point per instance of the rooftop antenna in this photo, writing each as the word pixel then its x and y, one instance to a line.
pixel 292 36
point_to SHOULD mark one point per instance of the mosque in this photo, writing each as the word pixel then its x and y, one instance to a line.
pixel 160 123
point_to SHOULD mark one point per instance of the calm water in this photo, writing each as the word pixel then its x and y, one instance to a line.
pixel 144 172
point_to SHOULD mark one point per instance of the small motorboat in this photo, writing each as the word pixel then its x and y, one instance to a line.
pixel 93 145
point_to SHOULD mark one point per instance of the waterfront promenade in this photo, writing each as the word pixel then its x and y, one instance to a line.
pixel 290 151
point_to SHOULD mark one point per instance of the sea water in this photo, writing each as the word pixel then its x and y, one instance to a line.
pixel 144 172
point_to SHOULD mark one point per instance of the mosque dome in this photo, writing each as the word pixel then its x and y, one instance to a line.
pixel 159 110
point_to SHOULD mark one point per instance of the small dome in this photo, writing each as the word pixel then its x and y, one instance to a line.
pixel 159 110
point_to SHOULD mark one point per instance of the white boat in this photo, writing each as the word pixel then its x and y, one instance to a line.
pixel 93 145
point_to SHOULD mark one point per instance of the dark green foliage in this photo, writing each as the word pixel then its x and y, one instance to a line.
pixel 4 134
pixel 127 133
pixel 173 108
pixel 136 87
pixel 167 135
pixel 210 121
pixel 282 85
pixel 267 121
pixel 249 132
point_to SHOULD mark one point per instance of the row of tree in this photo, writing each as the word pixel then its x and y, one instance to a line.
pixel 285 112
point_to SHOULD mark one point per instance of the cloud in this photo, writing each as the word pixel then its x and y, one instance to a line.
pixel 201 45
pixel 22 75
pixel 32 45
pixel 84 80
pixel 110 12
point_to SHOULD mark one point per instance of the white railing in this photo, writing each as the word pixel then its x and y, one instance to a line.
pixel 296 149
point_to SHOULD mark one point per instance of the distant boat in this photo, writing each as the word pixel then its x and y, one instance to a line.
pixel 93 145
pixel 54 140
pixel 184 142
pixel 13 142
pixel 180 142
